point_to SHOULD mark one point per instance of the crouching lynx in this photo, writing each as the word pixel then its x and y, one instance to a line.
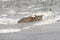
pixel 31 19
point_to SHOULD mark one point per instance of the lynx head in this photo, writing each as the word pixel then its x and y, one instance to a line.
pixel 37 18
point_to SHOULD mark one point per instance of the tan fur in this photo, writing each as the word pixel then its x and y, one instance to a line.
pixel 38 18
pixel 31 19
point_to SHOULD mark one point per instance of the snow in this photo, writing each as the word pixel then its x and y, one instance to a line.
pixel 31 6
pixel 44 0
pixel 11 11
pixel 4 15
pixel 45 20
pixel 8 21
pixel 47 29
pixel 14 21
pixel 9 30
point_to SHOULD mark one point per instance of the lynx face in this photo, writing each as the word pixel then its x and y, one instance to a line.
pixel 38 18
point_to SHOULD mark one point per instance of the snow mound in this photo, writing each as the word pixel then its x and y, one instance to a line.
pixel 9 30
pixel 8 21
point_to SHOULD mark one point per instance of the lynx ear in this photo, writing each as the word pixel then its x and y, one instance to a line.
pixel 41 15
pixel 35 15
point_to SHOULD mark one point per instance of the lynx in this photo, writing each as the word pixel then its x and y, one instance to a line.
pixel 31 19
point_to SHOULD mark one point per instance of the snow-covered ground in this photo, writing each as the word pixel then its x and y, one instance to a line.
pixel 8 21
pixel 48 18
pixel 9 30
pixel 44 32
pixel 10 16
pixel 47 29
pixel 14 21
